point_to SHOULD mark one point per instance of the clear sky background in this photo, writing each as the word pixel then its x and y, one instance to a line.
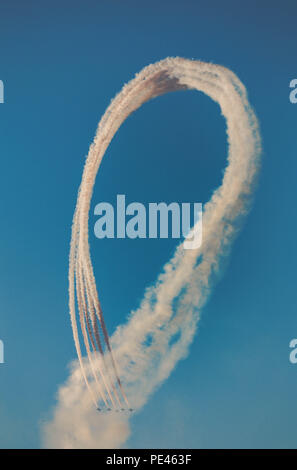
pixel 61 62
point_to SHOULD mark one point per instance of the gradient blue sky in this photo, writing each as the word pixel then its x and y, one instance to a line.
pixel 61 62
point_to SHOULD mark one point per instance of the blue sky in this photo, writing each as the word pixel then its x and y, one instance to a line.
pixel 61 64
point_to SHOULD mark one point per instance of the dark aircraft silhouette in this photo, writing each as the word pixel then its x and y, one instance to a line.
pixel 117 411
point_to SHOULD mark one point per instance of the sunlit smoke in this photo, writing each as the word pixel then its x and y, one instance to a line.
pixel 143 352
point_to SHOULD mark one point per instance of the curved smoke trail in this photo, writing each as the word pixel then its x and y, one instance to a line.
pixel 157 335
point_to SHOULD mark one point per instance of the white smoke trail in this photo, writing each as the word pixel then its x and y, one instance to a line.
pixel 158 334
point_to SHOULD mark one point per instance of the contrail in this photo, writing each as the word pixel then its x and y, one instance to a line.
pixel 157 335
